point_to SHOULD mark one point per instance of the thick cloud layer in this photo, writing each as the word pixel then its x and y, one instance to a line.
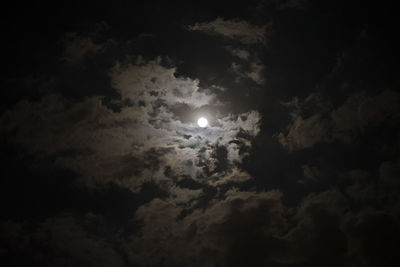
pixel 105 165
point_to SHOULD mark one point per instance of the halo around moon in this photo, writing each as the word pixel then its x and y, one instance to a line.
pixel 202 122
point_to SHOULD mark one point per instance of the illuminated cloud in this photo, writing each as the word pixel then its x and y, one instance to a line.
pixel 143 139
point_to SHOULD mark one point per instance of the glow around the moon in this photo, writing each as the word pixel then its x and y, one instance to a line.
pixel 202 122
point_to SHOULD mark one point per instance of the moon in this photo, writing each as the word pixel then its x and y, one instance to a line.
pixel 202 122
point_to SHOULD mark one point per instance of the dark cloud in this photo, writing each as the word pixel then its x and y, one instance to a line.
pixel 347 122
pixel 235 29
pixel 202 233
pixel 240 53
pixel 61 241
pixel 77 47
pixel 255 72
pixel 376 238
pixel 103 163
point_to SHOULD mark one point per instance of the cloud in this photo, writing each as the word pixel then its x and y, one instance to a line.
pixel 310 174
pixel 235 228
pixel 154 189
pixel 361 111
pixel 204 238
pixel 389 173
pixel 304 133
pixel 239 53
pixel 315 121
pixel 76 46
pixel 143 139
pixel 360 188
pixel 235 29
pixel 250 66
pixel 150 81
pixel 283 4
pixel 255 71
pixel 65 237
pixel 375 238
pixel 244 228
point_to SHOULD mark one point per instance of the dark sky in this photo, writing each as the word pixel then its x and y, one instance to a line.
pixel 103 163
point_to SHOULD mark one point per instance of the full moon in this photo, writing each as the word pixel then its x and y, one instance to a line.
pixel 202 122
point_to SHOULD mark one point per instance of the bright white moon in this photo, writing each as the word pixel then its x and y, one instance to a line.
pixel 202 122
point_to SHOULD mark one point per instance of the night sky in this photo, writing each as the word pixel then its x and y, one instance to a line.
pixel 103 162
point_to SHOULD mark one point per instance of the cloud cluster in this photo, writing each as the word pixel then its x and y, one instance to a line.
pixel 238 228
pixel 235 29
pixel 247 65
pixel 254 71
pixel 314 120
pixel 239 53
pixel 157 190
pixel 65 236
pixel 146 140
pixel 282 4
pixel 209 237
pixel 76 46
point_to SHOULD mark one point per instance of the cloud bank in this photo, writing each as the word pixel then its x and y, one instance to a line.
pixel 143 141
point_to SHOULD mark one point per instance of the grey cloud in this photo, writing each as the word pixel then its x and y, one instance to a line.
pixel 214 231
pixel 360 188
pixel 350 229
pixel 374 238
pixel 318 238
pixel 329 232
pixel 362 193
pixel 254 72
pixel 236 29
pixel 282 4
pixel 136 143
pixel 331 200
pixel 257 72
pixel 365 189
pixel 310 174
pixel 389 185
pixel 150 81
pixel 389 173
pixel 65 236
pixel 240 53
pixel 184 196
pixel 249 228
pixel 77 46
pixel 236 228
pixel 324 124
pixel 361 111
pixel 246 34
pixel 304 133
pixel 233 176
